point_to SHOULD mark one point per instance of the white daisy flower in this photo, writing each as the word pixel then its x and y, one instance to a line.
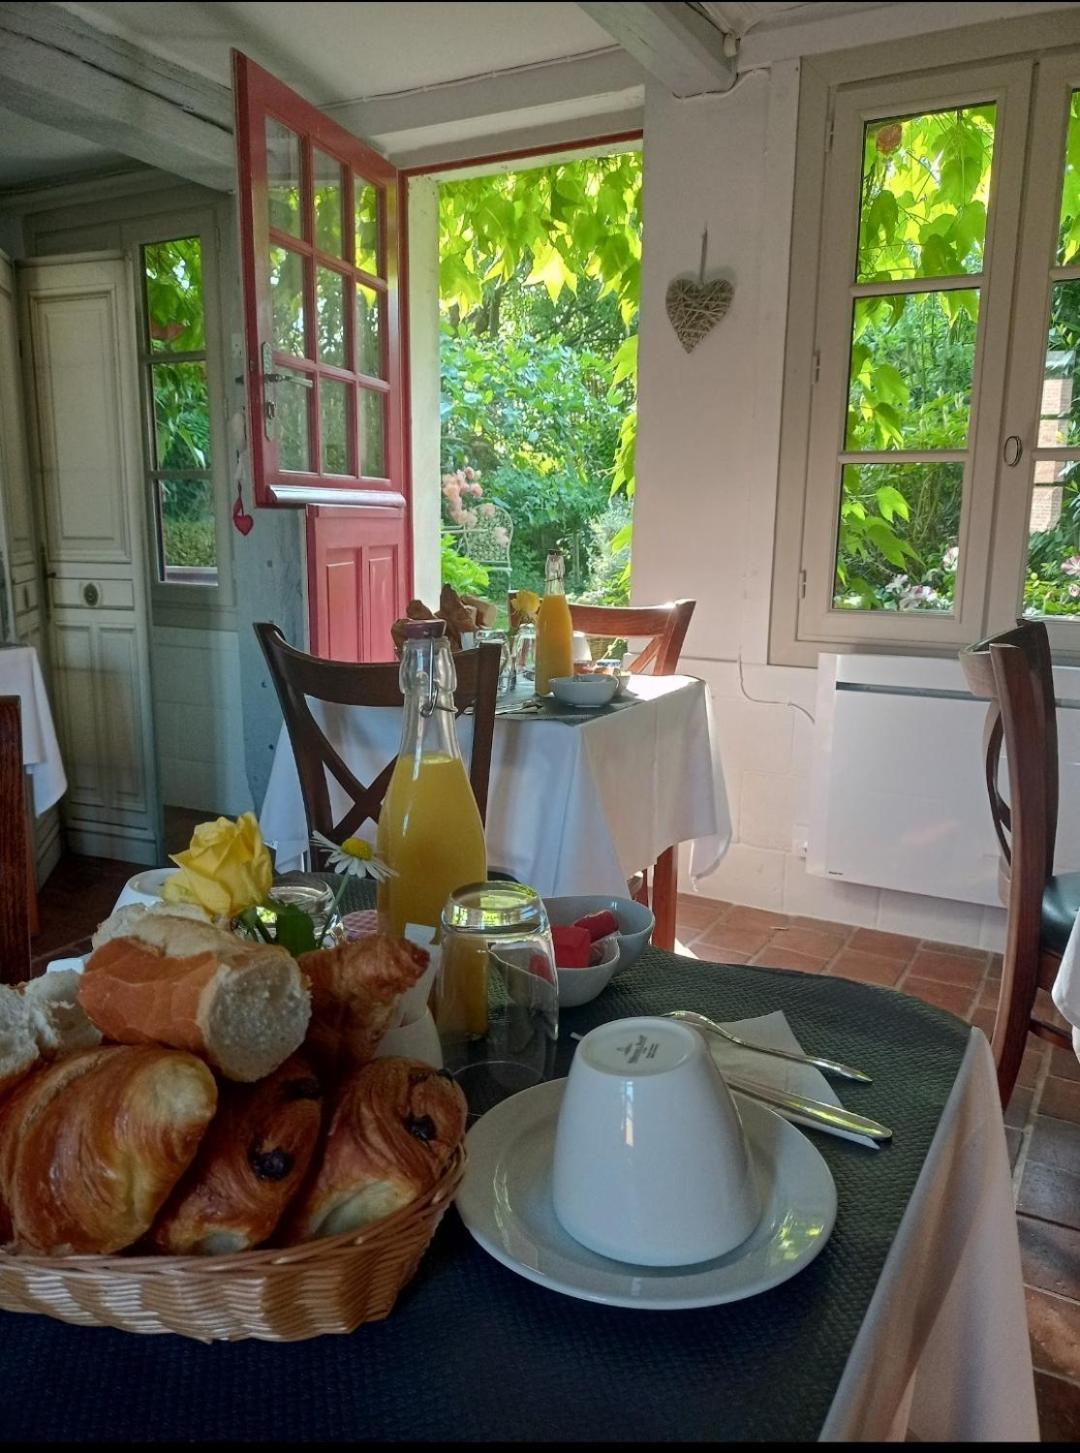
pixel 355 858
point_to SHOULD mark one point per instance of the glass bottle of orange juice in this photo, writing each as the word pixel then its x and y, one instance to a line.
pixel 554 630
pixel 430 833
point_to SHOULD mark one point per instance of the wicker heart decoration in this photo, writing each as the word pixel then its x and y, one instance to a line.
pixel 695 308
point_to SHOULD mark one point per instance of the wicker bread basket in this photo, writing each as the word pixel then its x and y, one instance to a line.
pixel 275 1294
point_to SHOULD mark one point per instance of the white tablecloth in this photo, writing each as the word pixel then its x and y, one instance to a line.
pixel 20 675
pixel 1066 990
pixel 571 808
pixel 944 1350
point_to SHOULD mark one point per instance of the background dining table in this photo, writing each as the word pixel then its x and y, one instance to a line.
pixel 909 1322
pixel 578 801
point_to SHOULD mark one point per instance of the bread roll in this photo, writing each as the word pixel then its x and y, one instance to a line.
pixel 243 1007
pixel 125 922
pixel 91 1146
pixel 19 1049
pixel 355 988
pixel 251 1162
pixel 396 1125
pixel 60 1022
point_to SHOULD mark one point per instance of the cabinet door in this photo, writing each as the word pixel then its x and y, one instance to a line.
pixel 80 331
pixel 18 570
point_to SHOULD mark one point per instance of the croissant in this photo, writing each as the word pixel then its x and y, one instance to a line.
pixel 355 988
pixel 250 1164
pixel 396 1124
pixel 92 1145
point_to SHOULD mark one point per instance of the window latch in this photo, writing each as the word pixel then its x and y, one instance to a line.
pixel 1013 451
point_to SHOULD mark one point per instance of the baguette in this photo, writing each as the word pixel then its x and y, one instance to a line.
pixel 91 1146
pixel 60 1022
pixel 250 1164
pixel 243 1007
pixel 396 1124
pixel 19 1048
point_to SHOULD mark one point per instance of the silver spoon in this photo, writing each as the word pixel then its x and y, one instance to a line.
pixel 829 1066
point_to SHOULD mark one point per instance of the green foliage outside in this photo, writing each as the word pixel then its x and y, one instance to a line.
pixel 925 192
pixel 539 283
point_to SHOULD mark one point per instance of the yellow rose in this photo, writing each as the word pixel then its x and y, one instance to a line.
pixel 226 868
pixel 527 603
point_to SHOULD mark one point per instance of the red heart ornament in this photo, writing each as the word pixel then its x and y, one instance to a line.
pixel 240 517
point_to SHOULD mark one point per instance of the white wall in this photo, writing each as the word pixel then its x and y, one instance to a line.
pixel 197 713
pixel 708 444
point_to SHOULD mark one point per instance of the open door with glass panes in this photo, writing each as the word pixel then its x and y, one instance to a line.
pixel 320 217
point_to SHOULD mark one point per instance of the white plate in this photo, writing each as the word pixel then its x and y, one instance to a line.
pixel 505 1201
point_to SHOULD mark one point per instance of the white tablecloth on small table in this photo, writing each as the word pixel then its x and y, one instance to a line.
pixel 571 808
pixel 20 675
pixel 1066 990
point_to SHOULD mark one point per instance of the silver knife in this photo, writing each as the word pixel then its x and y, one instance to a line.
pixel 809 1112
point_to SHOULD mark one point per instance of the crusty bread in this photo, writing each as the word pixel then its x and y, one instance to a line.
pixel 59 1020
pixel 396 1124
pixel 19 1049
pixel 91 1146
pixel 126 922
pixel 243 1007
pixel 249 1166
pixel 355 988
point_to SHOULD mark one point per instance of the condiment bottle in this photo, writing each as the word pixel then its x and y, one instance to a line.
pixel 554 629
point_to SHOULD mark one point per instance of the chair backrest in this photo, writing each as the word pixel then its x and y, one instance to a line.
pixel 664 626
pixel 14 904
pixel 298 676
pixel 1014 670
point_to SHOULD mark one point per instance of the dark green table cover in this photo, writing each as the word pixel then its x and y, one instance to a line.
pixel 473 1352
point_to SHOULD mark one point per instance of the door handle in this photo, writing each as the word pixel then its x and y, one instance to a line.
pixel 1013 450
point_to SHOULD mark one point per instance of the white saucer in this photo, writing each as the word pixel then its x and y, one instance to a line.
pixel 505 1201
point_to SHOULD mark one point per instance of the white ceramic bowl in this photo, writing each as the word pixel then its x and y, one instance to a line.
pixel 584 691
pixel 580 986
pixel 636 921
pixel 144 888
pixel 651 1165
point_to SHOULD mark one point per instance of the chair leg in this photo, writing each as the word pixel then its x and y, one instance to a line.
pixel 641 892
pixel 665 890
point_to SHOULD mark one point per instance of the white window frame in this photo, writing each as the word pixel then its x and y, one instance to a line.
pixel 838 96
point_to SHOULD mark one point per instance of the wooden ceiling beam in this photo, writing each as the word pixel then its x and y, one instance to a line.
pixel 672 41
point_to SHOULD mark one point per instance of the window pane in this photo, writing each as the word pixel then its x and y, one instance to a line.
pixel 912 361
pixel 330 311
pixel 294 448
pixel 181 416
pixel 172 274
pixel 188 535
pixel 283 177
pixel 328 199
pixel 367 225
pixel 1059 413
pixel 925 188
pixel 1052 579
pixel 899 527
pixel 333 405
pixel 372 434
pixel 1069 235
pixel 287 300
pixel 368 314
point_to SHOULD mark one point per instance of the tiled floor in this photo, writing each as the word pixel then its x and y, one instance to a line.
pixel 1042 1123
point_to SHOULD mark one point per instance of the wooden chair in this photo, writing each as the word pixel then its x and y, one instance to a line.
pixel 14 896
pixel 664 627
pixel 1014 670
pixel 298 676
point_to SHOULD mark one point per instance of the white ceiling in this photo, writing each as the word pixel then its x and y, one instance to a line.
pixel 352 51
pixel 30 150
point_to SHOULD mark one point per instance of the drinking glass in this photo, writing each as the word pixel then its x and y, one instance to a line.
pixel 525 651
pixel 506 664
pixel 497 992
pixel 310 894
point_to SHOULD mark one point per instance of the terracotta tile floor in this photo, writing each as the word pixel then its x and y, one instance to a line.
pixel 1042 1123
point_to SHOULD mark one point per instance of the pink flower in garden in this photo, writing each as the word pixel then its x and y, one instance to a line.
pixel 1071 566
pixel 470 473
pixel 452 491
pixel 488 511
pixel 500 535
pixel 951 557
pixel 1074 592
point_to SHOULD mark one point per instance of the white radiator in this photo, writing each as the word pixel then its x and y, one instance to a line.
pixel 898 796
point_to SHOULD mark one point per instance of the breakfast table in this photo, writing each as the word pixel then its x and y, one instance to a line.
pixel 909 1321
pixel 578 800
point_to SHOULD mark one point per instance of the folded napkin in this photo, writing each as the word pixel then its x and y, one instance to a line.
pixel 780 1074
pixel 58 965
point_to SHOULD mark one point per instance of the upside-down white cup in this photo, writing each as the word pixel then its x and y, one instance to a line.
pixel 651 1164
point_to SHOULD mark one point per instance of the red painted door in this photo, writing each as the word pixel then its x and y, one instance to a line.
pixel 321 254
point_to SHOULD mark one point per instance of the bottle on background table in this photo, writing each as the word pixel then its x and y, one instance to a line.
pixel 554 629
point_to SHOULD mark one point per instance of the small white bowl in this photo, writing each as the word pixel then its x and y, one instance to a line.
pixel 584 691
pixel 581 986
pixel 145 887
pixel 635 920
